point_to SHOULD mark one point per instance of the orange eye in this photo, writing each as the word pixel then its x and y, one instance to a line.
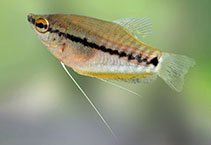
pixel 42 25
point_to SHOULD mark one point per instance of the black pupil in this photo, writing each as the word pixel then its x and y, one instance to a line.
pixel 40 25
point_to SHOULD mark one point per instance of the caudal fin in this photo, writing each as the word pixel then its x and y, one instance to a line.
pixel 173 68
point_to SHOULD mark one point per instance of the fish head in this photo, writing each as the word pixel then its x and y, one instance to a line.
pixel 41 26
pixel 44 27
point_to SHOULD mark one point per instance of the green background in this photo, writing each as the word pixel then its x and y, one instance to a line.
pixel 37 98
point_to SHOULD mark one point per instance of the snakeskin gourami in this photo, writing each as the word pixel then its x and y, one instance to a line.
pixel 109 50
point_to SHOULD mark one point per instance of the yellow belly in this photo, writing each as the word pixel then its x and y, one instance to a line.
pixel 116 76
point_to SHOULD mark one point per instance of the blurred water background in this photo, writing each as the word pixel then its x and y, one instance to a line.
pixel 40 105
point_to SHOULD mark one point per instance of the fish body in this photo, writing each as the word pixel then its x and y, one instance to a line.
pixel 109 50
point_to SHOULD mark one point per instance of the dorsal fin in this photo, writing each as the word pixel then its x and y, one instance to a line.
pixel 138 27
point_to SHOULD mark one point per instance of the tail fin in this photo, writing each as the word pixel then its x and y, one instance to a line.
pixel 173 68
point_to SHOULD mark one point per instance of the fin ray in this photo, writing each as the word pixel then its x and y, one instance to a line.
pixel 138 27
pixel 173 68
pixel 90 102
pixel 123 88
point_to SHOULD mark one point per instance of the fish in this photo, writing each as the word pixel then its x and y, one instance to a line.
pixel 109 50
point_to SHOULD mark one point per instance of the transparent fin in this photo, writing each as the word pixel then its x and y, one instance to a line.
pixel 123 88
pixel 93 106
pixel 173 68
pixel 138 27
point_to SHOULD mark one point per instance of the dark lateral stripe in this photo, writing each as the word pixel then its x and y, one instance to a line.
pixel 30 19
pixel 84 41
pixel 153 61
pixel 102 48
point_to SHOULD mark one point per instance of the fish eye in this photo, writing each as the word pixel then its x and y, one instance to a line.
pixel 42 25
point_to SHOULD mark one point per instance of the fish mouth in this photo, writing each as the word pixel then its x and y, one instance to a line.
pixel 30 18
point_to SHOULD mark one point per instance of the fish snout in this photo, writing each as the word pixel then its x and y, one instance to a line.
pixel 30 18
